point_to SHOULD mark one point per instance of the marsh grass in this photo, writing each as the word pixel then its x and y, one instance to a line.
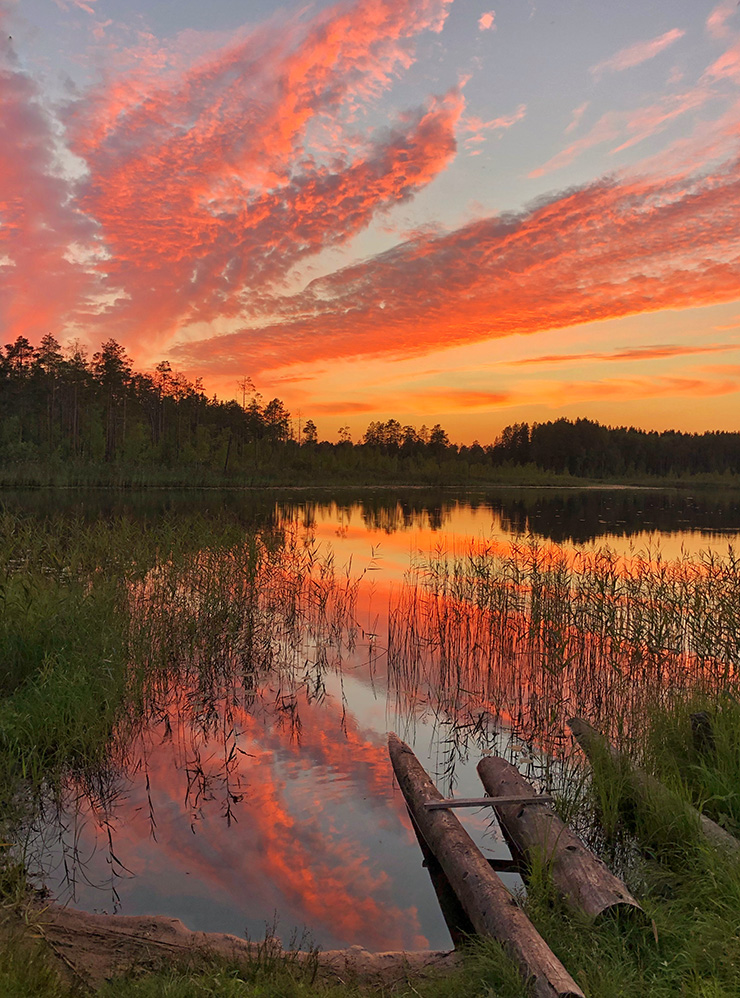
pixel 528 634
pixel 105 623
pixel 110 625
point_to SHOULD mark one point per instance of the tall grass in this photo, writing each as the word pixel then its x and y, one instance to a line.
pixel 532 633
pixel 109 625
pixel 106 624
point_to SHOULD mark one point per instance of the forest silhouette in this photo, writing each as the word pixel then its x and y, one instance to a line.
pixel 70 419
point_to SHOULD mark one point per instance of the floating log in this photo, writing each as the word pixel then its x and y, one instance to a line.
pixel 583 880
pixel 488 904
pixel 642 785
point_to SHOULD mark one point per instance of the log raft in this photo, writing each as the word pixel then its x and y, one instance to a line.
pixel 535 830
pixel 644 786
pixel 488 904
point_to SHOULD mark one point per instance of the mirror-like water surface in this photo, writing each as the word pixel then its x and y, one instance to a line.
pixel 252 782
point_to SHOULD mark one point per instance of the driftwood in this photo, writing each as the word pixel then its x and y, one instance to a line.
pixel 489 906
pixel 644 786
pixel 583 880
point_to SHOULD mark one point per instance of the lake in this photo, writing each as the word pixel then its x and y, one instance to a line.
pixel 255 790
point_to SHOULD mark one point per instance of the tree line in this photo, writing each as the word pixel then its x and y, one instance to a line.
pixel 63 408
pixel 586 448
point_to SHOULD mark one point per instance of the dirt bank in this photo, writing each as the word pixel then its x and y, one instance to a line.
pixel 95 948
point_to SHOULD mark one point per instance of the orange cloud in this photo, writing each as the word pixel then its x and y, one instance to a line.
pixel 610 249
pixel 210 183
pixel 335 408
pixel 655 351
pixel 38 221
pixel 635 54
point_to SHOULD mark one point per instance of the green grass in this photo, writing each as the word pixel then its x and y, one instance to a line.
pixel 98 616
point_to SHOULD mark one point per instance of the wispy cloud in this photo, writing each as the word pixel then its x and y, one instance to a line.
pixel 86 5
pixel 609 249
pixel 575 120
pixel 479 127
pixel 628 128
pixel 657 351
pixel 638 53
pixel 717 25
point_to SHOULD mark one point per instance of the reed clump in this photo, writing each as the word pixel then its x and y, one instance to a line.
pixel 528 634
pixel 114 628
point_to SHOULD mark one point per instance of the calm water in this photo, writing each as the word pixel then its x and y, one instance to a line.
pixel 234 806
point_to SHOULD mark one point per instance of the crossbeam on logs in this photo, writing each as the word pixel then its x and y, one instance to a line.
pixel 490 907
pixel 580 877
pixel 449 802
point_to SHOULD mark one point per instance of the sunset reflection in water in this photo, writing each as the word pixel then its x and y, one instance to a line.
pixel 270 794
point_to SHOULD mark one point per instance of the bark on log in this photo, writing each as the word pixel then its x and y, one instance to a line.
pixel 583 880
pixel 489 905
pixel 643 786
pixel 458 924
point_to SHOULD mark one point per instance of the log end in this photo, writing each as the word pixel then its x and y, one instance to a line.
pixel 397 745
pixel 580 727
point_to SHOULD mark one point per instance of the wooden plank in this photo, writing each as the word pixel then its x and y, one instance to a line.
pixel 448 802
pixel 489 906
pixel 582 879
pixel 642 785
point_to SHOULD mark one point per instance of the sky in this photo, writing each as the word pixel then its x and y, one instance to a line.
pixel 431 210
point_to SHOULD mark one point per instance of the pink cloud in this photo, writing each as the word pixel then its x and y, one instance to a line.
pixel 86 5
pixel 717 20
pixel 727 67
pixel 501 124
pixel 575 120
pixel 610 249
pixel 638 53
pixel 487 21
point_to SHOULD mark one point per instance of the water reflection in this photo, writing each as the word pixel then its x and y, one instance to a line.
pixel 562 515
pixel 251 775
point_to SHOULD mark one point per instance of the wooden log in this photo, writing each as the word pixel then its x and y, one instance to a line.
pixel 644 786
pixel 458 924
pixel 447 802
pixel 489 906
pixel 583 880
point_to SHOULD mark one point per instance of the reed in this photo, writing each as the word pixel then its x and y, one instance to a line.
pixel 115 627
pixel 110 625
pixel 526 635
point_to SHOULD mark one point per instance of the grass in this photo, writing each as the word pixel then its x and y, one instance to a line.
pixel 102 619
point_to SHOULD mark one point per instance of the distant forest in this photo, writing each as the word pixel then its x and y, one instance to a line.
pixel 68 418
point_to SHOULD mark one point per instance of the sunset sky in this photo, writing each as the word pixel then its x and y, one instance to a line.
pixel 436 210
